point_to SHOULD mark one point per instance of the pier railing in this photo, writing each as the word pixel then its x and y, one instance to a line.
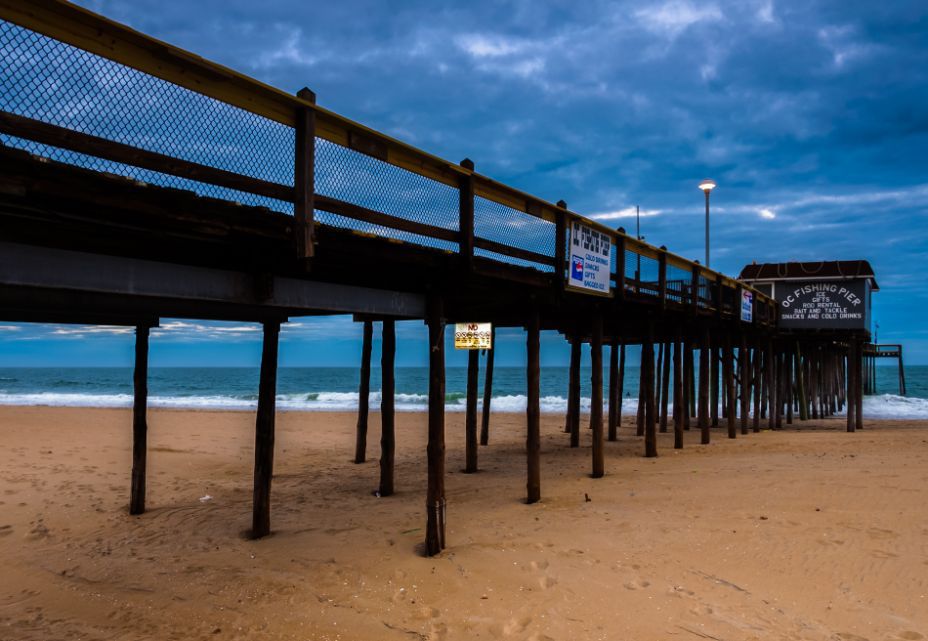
pixel 81 89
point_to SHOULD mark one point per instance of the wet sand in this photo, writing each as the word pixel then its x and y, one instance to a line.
pixel 800 534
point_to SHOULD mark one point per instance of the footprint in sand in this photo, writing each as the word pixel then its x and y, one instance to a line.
pixel 911 635
pixel 547 582
pixel 880 534
pixel 6 529
pixel 38 531
pixel 848 636
pixel 516 625
pixel 636 585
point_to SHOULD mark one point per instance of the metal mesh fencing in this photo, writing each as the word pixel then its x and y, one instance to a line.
pixel 363 180
pixel 679 284
pixel 59 84
pixel 513 228
pixel 705 291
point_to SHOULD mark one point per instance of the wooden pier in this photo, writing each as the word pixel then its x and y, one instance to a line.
pixel 184 189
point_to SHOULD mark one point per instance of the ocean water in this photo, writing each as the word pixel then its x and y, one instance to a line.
pixel 336 388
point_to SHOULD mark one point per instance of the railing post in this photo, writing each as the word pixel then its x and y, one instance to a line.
pixel 620 265
pixel 662 276
pixel 560 243
pixel 694 299
pixel 466 223
pixel 304 177
pixel 717 296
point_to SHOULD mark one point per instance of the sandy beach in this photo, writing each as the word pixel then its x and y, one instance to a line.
pixel 808 533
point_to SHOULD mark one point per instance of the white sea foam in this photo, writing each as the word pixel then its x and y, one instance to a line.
pixel 883 406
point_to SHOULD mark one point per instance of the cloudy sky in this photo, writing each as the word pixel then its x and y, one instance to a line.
pixel 812 116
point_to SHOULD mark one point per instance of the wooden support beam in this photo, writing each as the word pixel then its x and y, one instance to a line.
pixel 264 432
pixel 596 395
pixel 858 393
pixel 642 392
pixel 658 385
pixel 533 409
pixel 704 349
pixel 729 379
pixel 435 496
pixel 665 385
pixel 619 392
pixel 757 385
pixel 691 390
pixel 852 386
pixel 304 176
pixel 387 407
pixel 687 356
pixel 781 376
pixel 488 390
pixel 745 369
pixel 139 421
pixel 470 417
pixel 647 357
pixel 612 423
pixel 678 404
pixel 770 371
pixel 714 384
pixel 901 374
pixel 364 390
pixel 573 401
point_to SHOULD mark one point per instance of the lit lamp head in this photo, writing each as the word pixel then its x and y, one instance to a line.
pixel 707 185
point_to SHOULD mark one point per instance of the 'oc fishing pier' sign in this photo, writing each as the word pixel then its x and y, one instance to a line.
pixel 590 259
pixel 822 304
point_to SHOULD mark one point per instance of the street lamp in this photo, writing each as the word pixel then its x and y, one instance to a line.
pixel 707 185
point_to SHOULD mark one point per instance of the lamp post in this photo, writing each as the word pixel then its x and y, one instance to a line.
pixel 707 185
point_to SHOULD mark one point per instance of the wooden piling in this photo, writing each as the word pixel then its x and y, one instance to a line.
pixel 665 384
pixel 658 386
pixel 612 422
pixel 488 390
pixel 758 358
pixel 714 384
pixel 596 395
pixel 139 421
pixel 728 378
pixel 364 390
pixel 745 383
pixel 264 432
pixel 573 401
pixel 851 385
pixel 387 407
pixel 642 387
pixel 770 377
pixel 688 372
pixel 704 431
pixel 859 396
pixel 435 495
pixel 470 414
pixel 650 434
pixel 678 391
pixel 533 410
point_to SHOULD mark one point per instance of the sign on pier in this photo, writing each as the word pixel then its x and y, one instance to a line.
pixel 473 336
pixel 590 259
pixel 747 306
pixel 823 304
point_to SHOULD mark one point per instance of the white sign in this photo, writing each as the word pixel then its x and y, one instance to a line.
pixel 590 259
pixel 747 306
pixel 473 336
